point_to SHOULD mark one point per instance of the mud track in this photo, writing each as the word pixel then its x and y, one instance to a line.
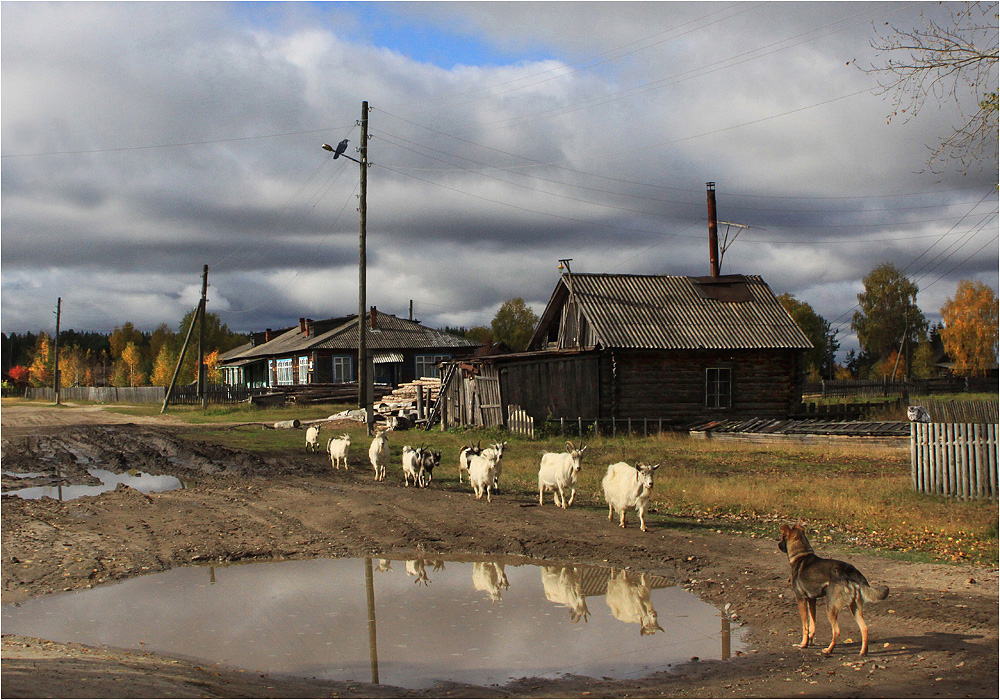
pixel 936 636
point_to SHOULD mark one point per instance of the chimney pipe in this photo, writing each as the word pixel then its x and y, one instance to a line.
pixel 374 317
pixel 268 335
pixel 713 230
pixel 302 326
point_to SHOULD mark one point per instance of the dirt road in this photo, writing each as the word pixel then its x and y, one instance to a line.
pixel 936 635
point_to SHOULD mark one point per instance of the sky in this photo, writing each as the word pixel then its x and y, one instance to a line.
pixel 142 141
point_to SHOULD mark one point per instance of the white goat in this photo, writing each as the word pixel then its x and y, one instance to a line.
pixel 312 438
pixel 630 601
pixel 413 465
pixel 628 487
pixel 558 474
pixel 463 458
pixel 482 468
pixel 563 585
pixel 378 453
pixel 496 449
pixel 337 449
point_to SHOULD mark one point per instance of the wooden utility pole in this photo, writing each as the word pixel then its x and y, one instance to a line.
pixel 198 311
pixel 202 393
pixel 56 384
pixel 365 398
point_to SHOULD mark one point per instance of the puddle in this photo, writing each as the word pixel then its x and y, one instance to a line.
pixel 141 481
pixel 24 475
pixel 403 623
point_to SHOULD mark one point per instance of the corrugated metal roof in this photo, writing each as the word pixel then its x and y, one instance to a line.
pixel 664 312
pixel 392 334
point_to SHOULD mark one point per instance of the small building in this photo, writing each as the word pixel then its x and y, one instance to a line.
pixel 662 347
pixel 326 352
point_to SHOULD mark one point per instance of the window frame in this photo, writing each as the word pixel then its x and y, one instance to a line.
pixel 718 388
pixel 340 363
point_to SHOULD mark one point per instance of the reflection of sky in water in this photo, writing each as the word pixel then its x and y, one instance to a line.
pixel 310 619
pixel 146 483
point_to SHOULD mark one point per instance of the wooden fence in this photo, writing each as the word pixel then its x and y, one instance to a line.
pixel 885 386
pixel 954 459
pixel 216 393
pixel 519 422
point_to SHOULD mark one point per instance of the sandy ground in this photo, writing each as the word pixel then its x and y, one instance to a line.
pixel 936 635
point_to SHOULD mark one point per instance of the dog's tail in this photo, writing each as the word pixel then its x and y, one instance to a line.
pixel 870 595
pixel 862 589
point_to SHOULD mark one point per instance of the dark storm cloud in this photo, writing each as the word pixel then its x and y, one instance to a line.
pixel 187 134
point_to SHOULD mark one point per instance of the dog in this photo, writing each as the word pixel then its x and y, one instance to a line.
pixel 814 577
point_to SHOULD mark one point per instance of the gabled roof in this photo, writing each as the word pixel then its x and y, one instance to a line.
pixel 391 333
pixel 671 312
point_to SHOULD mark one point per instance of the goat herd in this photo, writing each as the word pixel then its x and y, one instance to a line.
pixel 624 486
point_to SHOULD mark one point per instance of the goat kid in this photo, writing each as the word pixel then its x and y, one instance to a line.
pixel 337 448
pixel 628 487
pixel 558 474
pixel 312 438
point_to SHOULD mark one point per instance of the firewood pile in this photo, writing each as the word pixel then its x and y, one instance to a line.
pixel 403 402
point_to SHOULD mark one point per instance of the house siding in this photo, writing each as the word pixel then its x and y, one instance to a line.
pixel 671 385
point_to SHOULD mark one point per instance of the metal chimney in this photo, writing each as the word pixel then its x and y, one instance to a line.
pixel 713 230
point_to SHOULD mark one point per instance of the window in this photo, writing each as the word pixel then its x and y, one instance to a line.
pixel 304 369
pixel 342 369
pixel 283 372
pixel 426 364
pixel 718 387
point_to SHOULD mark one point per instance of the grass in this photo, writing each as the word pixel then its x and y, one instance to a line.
pixel 848 495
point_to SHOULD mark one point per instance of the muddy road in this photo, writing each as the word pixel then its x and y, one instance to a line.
pixel 936 635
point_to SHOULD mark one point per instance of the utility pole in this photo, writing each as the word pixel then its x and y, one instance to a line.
pixel 56 384
pixel 365 398
pixel 713 230
pixel 202 393
pixel 198 310
pixel 364 376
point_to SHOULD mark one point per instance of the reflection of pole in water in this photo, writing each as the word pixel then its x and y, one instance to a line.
pixel 211 574
pixel 59 478
pixel 372 637
pixel 725 636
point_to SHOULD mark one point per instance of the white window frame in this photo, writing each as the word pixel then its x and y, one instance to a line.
pixel 429 364
pixel 304 365
pixel 343 365
pixel 283 373
pixel 718 387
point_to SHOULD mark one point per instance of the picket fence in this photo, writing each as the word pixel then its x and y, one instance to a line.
pixel 519 422
pixel 954 459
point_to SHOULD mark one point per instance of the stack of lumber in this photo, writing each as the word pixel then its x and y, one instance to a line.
pixel 404 397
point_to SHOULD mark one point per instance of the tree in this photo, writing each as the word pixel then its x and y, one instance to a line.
pixel 970 328
pixel 481 335
pixel 514 324
pixel 19 375
pixel 42 364
pixel 946 61
pixel 132 359
pixel 888 313
pixel 819 360
pixel 163 367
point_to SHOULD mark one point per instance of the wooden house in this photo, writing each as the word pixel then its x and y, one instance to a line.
pixel 326 352
pixel 662 347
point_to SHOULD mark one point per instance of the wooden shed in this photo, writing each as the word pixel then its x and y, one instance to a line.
pixel 662 347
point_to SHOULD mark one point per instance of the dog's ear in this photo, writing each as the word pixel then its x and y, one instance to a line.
pixel 785 530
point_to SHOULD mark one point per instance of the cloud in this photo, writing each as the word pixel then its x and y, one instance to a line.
pixel 142 141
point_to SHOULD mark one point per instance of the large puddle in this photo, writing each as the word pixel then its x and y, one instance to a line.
pixel 141 481
pixel 403 623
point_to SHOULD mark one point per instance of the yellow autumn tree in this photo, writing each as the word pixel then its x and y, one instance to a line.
pixel 40 369
pixel 970 328
pixel 132 359
pixel 163 367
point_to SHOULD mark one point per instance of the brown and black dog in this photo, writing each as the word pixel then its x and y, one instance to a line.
pixel 814 577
